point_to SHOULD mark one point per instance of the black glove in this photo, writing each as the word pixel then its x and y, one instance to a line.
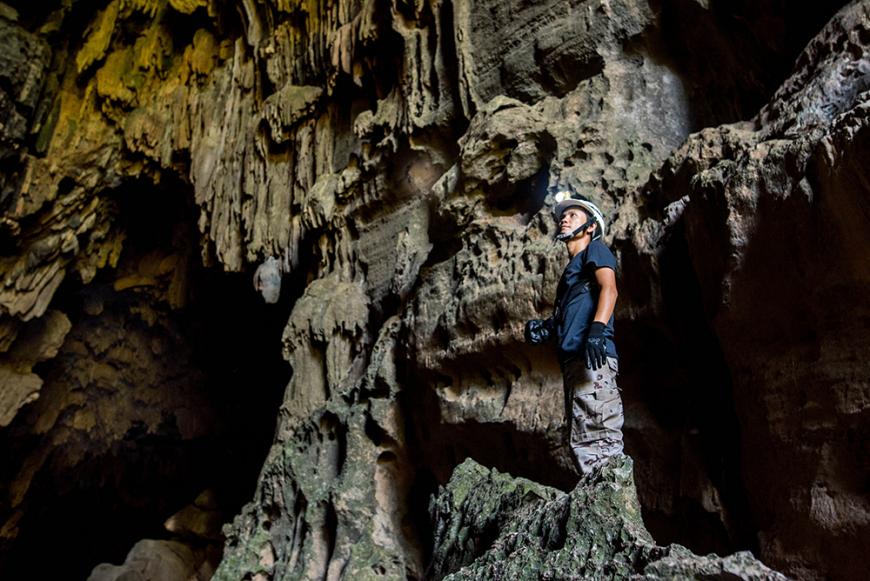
pixel 596 346
pixel 538 331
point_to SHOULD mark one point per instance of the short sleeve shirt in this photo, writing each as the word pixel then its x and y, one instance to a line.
pixel 577 300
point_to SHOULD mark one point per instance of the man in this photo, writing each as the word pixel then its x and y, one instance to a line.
pixel 582 322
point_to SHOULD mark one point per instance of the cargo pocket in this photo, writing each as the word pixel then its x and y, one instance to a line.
pixel 592 411
pixel 611 417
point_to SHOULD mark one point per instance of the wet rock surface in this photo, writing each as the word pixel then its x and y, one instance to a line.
pixel 362 190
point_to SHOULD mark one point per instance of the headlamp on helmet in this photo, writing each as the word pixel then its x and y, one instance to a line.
pixel 565 200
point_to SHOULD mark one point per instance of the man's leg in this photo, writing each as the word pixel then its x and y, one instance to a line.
pixel 595 411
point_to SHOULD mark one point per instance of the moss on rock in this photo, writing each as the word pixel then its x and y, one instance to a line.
pixel 493 526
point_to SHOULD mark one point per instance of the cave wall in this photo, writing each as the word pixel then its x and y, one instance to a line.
pixel 395 161
pixel 783 296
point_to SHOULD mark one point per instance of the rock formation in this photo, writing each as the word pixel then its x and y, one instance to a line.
pixel 383 172
pixel 491 526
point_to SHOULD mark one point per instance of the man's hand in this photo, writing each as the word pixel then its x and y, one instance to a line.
pixel 538 331
pixel 596 347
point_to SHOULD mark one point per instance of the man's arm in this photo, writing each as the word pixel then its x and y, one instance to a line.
pixel 596 350
pixel 606 279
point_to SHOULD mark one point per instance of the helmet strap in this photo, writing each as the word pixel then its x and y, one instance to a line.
pixel 569 235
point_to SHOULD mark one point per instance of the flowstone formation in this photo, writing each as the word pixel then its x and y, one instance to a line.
pixel 189 187
pixel 493 526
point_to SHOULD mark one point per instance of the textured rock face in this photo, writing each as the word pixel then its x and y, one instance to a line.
pixel 22 68
pixel 492 526
pixel 783 294
pixel 384 170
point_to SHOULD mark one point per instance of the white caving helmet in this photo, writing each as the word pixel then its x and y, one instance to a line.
pixel 565 200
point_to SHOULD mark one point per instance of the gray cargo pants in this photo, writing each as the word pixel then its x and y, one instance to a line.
pixel 593 411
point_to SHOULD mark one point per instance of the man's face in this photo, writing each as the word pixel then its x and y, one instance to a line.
pixel 571 219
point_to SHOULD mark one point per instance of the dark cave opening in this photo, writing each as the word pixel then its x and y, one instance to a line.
pixel 675 370
pixel 734 55
pixel 167 385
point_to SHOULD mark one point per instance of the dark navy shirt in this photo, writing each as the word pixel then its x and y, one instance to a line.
pixel 577 300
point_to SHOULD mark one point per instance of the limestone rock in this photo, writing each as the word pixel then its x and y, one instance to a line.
pixel 492 526
pixel 201 520
pixel 19 389
pixel 333 499
pixel 773 197
pixel 321 340
pixel 22 68
pixel 38 341
pixel 267 280
pixel 397 160
pixel 23 63
pixel 151 560
pixel 190 556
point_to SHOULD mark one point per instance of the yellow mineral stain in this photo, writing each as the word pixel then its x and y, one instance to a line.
pixel 99 35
